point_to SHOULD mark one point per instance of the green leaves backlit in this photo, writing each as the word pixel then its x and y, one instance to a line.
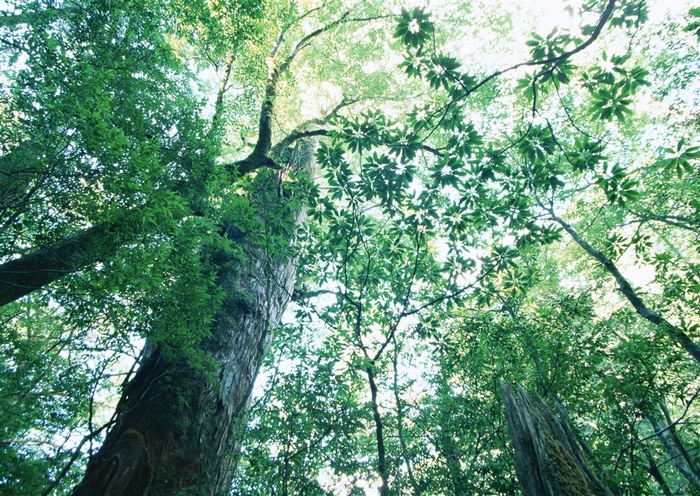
pixel 694 25
pixel 414 27
pixel 537 144
pixel 612 87
pixel 618 187
pixel 681 159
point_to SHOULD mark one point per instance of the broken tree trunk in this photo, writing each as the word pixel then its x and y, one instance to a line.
pixel 548 460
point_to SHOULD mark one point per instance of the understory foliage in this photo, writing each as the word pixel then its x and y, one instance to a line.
pixel 492 204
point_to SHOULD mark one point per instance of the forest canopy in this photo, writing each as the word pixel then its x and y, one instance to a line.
pixel 330 247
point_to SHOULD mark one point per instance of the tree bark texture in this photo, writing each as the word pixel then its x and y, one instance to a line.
pixel 548 460
pixel 184 426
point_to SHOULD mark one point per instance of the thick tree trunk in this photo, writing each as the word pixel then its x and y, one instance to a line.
pixel 178 430
pixel 548 461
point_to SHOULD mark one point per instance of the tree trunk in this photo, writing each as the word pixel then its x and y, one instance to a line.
pixel 548 461
pixel 178 429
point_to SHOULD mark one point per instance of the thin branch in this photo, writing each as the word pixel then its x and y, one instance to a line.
pixel 399 419
pixel 449 296
pixel 675 422
pixel 626 289
pixel 216 120
pixel 560 58
pixel 672 220
pixel 76 453
pixel 533 63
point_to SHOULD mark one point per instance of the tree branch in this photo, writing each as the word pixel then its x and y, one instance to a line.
pixel 672 220
pixel 626 289
pixel 560 58
pixel 21 276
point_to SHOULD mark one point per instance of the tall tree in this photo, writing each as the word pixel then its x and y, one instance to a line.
pixel 158 169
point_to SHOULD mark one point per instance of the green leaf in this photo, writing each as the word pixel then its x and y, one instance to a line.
pixel 414 27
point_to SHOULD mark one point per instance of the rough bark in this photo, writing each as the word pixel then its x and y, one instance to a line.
pixel 548 460
pixel 191 422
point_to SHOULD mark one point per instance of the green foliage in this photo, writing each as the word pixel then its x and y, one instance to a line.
pixel 681 159
pixel 618 187
pixel 95 137
pixel 436 259
pixel 694 25
pixel 414 28
pixel 47 379
pixel 549 47
pixel 307 408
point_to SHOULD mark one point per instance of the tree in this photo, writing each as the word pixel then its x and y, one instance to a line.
pixel 430 235
pixel 547 457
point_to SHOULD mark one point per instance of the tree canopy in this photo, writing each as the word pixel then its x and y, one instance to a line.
pixel 303 247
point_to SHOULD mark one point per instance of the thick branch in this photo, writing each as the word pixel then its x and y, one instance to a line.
pixel 35 270
pixel 293 137
pixel 305 130
pixel 626 289
pixel 264 143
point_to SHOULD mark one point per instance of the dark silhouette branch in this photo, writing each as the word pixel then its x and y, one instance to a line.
pixel 21 276
pixel 626 289
pixel 560 58
pixel 671 425
pixel 379 431
pixel 399 420
pixel 217 119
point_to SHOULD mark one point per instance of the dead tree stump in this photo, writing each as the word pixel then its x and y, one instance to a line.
pixel 548 460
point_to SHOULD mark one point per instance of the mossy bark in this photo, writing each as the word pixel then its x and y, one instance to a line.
pixel 190 421
pixel 548 460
